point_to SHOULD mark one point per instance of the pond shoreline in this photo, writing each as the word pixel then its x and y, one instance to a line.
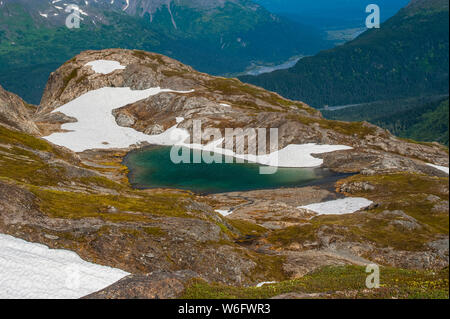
pixel 327 182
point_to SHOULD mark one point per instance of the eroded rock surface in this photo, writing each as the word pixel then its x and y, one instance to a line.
pixel 15 113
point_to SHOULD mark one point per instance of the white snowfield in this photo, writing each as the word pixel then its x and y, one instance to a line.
pixel 295 155
pixel 265 283
pixel 343 206
pixel 32 271
pixel 292 156
pixel 441 168
pixel 105 66
pixel 96 128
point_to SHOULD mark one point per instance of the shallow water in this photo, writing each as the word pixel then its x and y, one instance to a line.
pixel 153 168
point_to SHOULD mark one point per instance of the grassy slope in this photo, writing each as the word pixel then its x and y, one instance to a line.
pixel 336 282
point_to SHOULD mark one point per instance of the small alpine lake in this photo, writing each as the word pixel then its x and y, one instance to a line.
pixel 152 167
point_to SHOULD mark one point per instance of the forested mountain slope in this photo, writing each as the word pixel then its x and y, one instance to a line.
pixel 407 56
pixel 421 119
pixel 216 36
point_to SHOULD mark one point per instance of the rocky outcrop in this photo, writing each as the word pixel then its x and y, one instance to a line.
pixel 143 70
pixel 17 114
pixel 157 285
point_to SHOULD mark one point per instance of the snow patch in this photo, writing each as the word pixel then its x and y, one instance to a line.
pixel 265 283
pixel 292 156
pixel 105 66
pixel 127 5
pixel 343 206
pixel 441 168
pixel 29 270
pixel 96 127
pixel 297 155
pixel 179 119
pixel 224 212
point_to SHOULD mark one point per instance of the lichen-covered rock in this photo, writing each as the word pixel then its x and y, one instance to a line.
pixel 156 285
pixel 15 113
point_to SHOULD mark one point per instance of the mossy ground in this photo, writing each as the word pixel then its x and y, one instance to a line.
pixel 122 207
pixel 236 87
pixel 247 228
pixel 404 191
pixel 20 164
pixel 14 137
pixel 410 193
pixel 336 282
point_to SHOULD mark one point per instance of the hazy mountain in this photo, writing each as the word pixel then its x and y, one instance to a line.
pixel 215 36
pixel 331 14
pixel 417 118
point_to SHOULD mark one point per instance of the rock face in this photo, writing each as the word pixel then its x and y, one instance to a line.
pixel 143 71
pixel 15 113
pixel 157 285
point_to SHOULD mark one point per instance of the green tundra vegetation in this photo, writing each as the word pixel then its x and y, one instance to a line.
pixel 335 282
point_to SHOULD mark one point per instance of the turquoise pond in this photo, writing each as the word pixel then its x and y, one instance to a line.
pixel 152 168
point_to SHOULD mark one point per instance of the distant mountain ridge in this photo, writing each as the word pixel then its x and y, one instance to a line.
pixel 407 56
pixel 218 36
pixel 389 76
pixel 331 14
pixel 92 12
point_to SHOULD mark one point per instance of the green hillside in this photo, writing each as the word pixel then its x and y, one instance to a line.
pixel 407 56
pixel 422 119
